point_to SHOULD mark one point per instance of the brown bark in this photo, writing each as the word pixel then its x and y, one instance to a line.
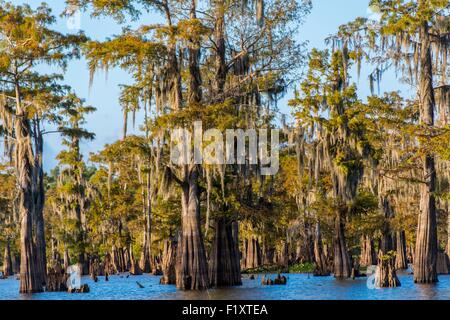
pixel 168 262
pixel 66 259
pixel 400 259
pixel 442 263
pixel 144 262
pixel 368 255
pixel 320 261
pixel 39 202
pixel 7 262
pixel 283 260
pixel 118 259
pixel 219 34
pixel 268 255
pixel 56 278
pixel 123 260
pixel 410 253
pixel 426 238
pixel 29 280
pixel 16 263
pixel 387 243
pixel 387 277
pixel 252 255
pixel 224 268
pixel 195 80
pixel 342 266
pixel 134 266
pixel 94 268
pixel 191 266
pixel 109 267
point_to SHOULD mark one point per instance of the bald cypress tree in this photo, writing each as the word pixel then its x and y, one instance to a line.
pixel 343 147
pixel 27 40
pixel 416 31
pixel 73 185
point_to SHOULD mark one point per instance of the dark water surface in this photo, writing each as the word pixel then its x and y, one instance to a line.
pixel 299 287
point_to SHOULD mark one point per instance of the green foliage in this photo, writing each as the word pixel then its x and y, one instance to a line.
pixel 307 267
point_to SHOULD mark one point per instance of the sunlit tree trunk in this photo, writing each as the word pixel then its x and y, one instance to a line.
pixel 224 269
pixel 321 268
pixel 145 261
pixel 252 253
pixel 400 259
pixel 387 277
pixel 7 262
pixel 426 238
pixel 168 262
pixel 29 280
pixel 16 263
pixel 387 243
pixel 191 267
pixel 77 176
pixel 66 259
pixel 368 255
pixel 39 201
pixel 342 266
pixel 149 218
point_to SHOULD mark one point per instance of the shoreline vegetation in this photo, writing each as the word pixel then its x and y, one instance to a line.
pixel 295 268
pixel 361 180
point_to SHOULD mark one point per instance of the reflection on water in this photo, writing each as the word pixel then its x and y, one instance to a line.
pixel 299 287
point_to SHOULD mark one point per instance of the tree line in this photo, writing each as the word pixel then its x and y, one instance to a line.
pixel 361 181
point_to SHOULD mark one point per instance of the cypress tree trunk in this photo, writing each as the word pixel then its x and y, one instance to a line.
pixel 148 228
pixel 387 277
pixel 168 262
pixel 39 201
pixel 400 259
pixel 29 280
pixel 235 250
pixel 145 259
pixel 16 263
pixel 134 266
pixel 387 243
pixel 252 256
pixel 224 269
pixel 191 267
pixel 268 254
pixel 57 278
pixel 7 263
pixel 442 264
pixel 368 256
pixel 221 72
pixel 284 255
pixel 123 260
pixel 426 238
pixel 128 257
pixel 66 259
pixel 342 265
pixel 108 264
pixel 321 268
pixel 298 252
pixel 80 240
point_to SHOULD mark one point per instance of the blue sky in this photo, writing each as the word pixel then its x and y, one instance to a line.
pixel 106 122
